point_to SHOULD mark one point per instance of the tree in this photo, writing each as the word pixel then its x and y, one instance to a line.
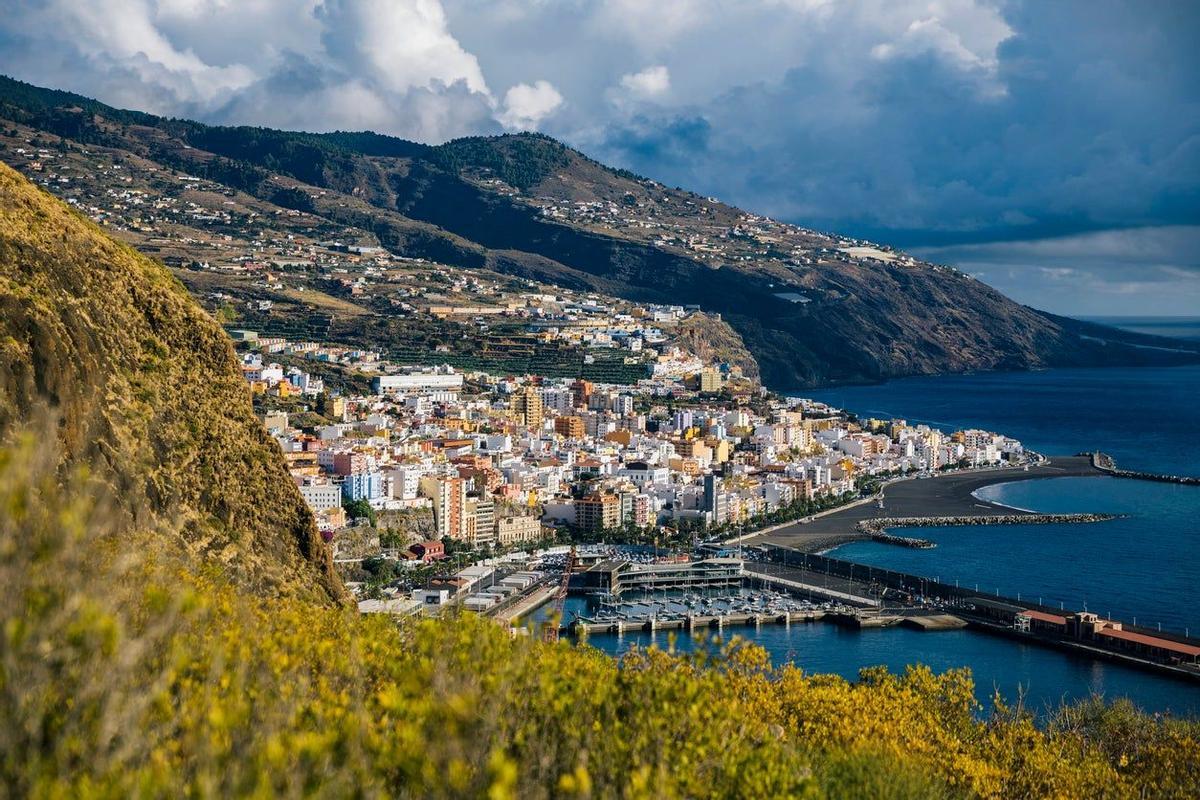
pixel 226 314
pixel 359 509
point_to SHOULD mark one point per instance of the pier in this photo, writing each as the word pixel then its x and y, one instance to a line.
pixel 1106 464
pixel 692 622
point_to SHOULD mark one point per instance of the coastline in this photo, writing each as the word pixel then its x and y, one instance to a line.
pixel 975 494
pixel 948 495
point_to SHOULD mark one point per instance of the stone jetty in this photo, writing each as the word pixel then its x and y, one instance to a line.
pixel 1105 463
pixel 879 535
pixel 878 525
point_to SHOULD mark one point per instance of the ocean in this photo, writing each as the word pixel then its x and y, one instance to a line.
pixel 1174 327
pixel 1144 565
pixel 1145 417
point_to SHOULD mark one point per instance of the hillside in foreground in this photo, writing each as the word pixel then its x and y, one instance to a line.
pixel 147 393
pixel 812 308
pixel 132 667
pixel 144 678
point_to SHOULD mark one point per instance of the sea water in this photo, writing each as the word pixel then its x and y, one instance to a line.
pixel 1146 418
pixel 1143 565
pixel 1146 565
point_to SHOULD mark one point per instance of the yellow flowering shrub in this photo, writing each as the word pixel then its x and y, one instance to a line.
pixel 125 673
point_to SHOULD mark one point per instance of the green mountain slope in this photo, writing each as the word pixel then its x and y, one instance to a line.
pixel 812 308
pixel 146 389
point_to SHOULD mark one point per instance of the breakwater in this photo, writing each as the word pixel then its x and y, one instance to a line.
pixel 984 611
pixel 902 541
pixel 1106 464
pixel 877 526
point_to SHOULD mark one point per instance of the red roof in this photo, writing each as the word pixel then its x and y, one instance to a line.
pixel 1152 641
pixel 1042 616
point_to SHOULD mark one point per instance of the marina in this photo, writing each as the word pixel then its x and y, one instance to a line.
pixel 781 586
pixel 691 611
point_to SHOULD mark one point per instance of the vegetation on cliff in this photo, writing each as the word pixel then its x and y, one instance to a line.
pixel 147 391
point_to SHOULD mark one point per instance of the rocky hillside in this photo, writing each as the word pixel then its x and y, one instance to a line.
pixel 146 388
pixel 812 308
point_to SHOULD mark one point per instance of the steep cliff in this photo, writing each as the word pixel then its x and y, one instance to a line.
pixel 146 389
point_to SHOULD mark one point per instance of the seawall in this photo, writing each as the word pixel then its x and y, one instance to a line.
pixel 1106 464
pixel 875 527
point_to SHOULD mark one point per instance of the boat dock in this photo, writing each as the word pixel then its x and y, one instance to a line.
pixel 691 622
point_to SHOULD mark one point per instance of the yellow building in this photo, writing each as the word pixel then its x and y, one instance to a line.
pixel 721 449
pixel 710 380
pixel 517 529
pixel 571 427
pixel 526 405
pixel 598 512
pixel 334 407
pixel 623 437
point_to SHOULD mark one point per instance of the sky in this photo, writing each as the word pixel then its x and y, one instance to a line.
pixel 1052 149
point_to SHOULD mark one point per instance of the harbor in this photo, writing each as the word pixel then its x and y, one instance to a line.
pixel 778 586
pixel 693 611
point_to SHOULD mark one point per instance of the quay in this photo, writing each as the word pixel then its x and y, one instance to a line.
pixel 1079 632
pixel 691 622
pixel 911 619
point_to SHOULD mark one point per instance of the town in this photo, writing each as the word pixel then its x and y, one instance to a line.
pixel 434 462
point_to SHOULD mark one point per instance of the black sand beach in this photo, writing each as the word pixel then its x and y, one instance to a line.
pixel 948 495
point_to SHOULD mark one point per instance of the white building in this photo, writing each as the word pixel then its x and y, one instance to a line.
pixel 321 496
pixel 418 382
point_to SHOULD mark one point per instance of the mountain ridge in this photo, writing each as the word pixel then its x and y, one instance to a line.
pixel 812 308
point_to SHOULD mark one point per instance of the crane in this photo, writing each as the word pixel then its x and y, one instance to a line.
pixel 550 633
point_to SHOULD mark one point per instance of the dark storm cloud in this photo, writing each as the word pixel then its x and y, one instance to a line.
pixel 1093 122
pixel 931 124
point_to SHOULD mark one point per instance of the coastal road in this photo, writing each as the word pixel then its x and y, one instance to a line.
pixel 946 495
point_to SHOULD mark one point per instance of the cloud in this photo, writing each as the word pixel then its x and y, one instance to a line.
pixel 526 105
pixel 401 45
pixel 968 124
pixel 922 123
pixel 649 82
pixel 1152 270
pixel 390 65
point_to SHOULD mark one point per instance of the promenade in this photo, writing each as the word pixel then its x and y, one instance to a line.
pixel 945 495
